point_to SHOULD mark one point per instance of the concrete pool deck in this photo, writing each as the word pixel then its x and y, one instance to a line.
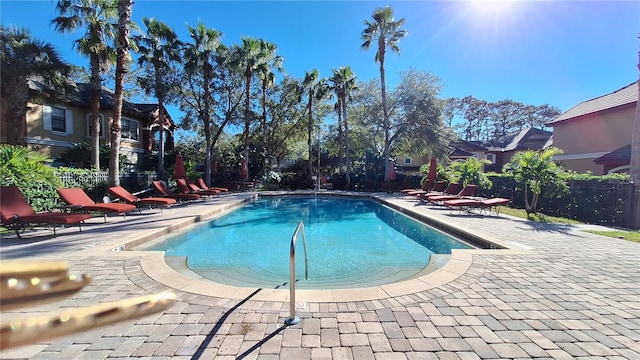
pixel 555 292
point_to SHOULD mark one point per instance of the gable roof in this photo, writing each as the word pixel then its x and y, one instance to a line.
pixel 620 156
pixel 525 139
pixel 81 97
pixel 622 97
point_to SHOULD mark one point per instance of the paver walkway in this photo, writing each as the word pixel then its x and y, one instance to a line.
pixel 564 294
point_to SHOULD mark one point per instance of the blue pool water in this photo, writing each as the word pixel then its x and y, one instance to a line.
pixel 350 243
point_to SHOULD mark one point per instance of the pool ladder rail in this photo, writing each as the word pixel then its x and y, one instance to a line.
pixel 293 319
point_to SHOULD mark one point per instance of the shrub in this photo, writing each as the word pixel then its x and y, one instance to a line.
pixel 28 170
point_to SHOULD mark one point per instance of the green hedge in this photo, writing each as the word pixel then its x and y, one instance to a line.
pixel 589 199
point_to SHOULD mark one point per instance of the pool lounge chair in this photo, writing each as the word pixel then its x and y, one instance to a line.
pixel 437 188
pixel 125 196
pixel 467 191
pixel 479 204
pixel 203 185
pixel 189 188
pixel 16 213
pixel 164 191
pixel 425 187
pixel 78 201
pixel 451 189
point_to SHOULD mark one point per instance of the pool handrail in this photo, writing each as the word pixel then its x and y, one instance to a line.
pixel 293 319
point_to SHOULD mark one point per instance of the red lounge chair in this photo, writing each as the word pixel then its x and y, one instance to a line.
pixel 467 191
pixel 78 201
pixel 480 204
pixel 425 187
pixel 127 197
pixel 164 191
pixel 437 188
pixel 451 189
pixel 203 185
pixel 188 188
pixel 17 214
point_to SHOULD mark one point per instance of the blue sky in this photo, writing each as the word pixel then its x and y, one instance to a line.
pixel 536 52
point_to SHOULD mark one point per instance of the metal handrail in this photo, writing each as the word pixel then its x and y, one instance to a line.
pixel 293 319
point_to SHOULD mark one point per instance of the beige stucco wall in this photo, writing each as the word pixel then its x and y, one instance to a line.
pixel 586 139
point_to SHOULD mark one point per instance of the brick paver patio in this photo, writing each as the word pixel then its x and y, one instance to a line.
pixel 560 293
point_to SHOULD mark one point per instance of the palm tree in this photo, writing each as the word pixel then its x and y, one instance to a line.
pixel 99 17
pixel 199 56
pixel 22 60
pixel 343 81
pixel 125 8
pixel 316 89
pixel 267 77
pixel 535 171
pixel 159 48
pixel 386 32
pixel 251 58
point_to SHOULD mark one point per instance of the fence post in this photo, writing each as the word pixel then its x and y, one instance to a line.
pixel 635 214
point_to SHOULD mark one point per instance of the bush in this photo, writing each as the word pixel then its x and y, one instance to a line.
pixel 28 170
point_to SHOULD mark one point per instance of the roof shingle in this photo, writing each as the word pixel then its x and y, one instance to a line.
pixel 624 96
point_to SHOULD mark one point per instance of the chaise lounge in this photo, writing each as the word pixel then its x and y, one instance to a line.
pixel 16 213
pixel 125 196
pixel 203 185
pixel 78 201
pixel 165 192
pixel 467 191
pixel 480 204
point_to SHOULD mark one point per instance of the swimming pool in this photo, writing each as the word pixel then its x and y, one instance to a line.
pixel 350 243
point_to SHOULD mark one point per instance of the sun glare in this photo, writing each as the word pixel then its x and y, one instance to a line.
pixel 491 8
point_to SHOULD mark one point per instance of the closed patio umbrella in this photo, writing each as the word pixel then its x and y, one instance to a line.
pixel 431 177
pixel 179 171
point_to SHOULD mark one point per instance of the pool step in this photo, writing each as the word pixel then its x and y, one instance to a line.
pixel 361 277
pixel 254 276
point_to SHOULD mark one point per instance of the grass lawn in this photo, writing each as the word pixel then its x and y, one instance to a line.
pixel 620 234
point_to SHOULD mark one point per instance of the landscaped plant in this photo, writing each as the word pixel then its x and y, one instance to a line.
pixel 469 172
pixel 535 172
pixel 28 170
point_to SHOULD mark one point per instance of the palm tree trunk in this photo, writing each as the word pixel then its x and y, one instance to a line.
pixel 346 138
pixel 385 120
pixel 309 131
pixel 124 11
pixel 16 115
pixel 247 122
pixel 96 94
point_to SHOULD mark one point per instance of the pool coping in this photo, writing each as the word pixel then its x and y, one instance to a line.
pixel 154 265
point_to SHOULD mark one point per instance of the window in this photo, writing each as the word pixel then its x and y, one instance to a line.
pixel 491 157
pixel 57 119
pixel 130 129
pixel 407 161
pixel 90 126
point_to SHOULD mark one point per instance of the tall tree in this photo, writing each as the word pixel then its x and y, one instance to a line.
pixel 416 120
pixel 125 8
pixel 99 19
pixel 343 83
pixel 272 62
pixel 24 59
pixel 159 49
pixel 200 56
pixel 251 58
pixel 315 88
pixel 385 31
